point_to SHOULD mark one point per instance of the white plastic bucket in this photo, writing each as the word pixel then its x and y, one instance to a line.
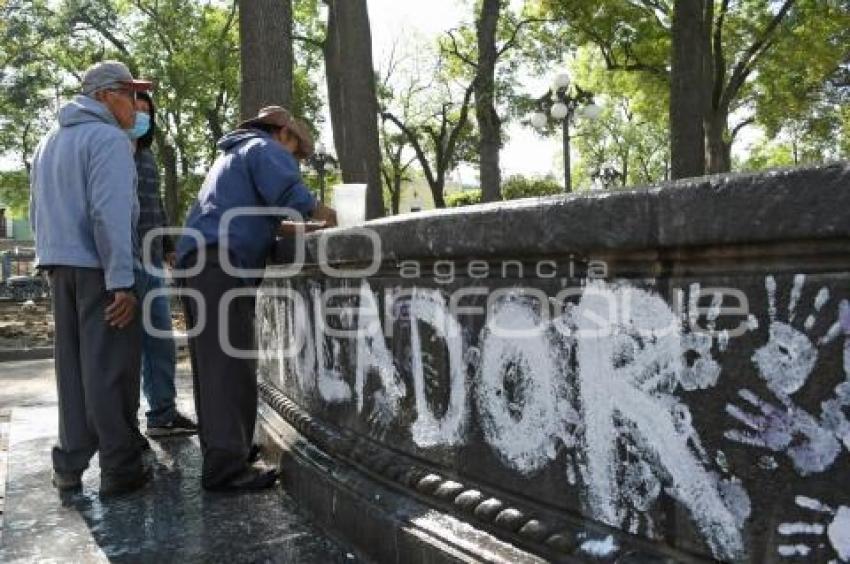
pixel 349 201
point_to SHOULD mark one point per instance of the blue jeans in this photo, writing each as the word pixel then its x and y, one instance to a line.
pixel 158 354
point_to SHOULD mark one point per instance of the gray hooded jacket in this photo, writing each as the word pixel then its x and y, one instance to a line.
pixel 83 202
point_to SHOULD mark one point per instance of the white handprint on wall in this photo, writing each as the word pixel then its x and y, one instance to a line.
pixel 791 430
pixel 837 531
pixel 789 356
pixel 700 370
pixel 785 364
pixel 835 410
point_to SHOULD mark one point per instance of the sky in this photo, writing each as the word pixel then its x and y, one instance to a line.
pixel 392 20
pixel 526 151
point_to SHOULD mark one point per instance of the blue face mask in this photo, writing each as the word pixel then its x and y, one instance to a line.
pixel 142 126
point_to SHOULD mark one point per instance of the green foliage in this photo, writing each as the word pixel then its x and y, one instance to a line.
pixel 464 198
pixel 630 35
pixel 189 48
pixel 792 91
pixel 311 180
pixel 15 192
pixel 623 52
pixel 769 155
pixel 519 186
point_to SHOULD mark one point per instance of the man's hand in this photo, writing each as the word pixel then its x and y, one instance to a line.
pixel 122 310
pixel 326 214
pixel 291 228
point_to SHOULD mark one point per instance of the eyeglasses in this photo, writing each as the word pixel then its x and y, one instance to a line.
pixel 130 93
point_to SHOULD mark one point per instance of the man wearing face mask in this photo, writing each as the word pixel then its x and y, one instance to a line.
pixel 83 210
pixel 158 353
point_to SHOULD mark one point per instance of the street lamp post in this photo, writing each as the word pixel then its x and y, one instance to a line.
pixel 606 175
pixel 320 161
pixel 565 101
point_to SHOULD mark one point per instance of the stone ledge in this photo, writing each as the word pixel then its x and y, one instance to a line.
pixel 328 455
pixel 733 209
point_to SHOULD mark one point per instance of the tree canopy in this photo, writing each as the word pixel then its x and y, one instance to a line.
pixel 773 90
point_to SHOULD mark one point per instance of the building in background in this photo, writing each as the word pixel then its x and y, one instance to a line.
pixel 17 248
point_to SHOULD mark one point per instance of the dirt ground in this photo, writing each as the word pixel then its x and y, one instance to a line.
pixel 25 325
pixel 28 325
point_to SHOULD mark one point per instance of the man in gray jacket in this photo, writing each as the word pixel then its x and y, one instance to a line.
pixel 83 211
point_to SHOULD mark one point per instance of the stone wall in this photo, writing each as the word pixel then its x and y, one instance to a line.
pixel 661 373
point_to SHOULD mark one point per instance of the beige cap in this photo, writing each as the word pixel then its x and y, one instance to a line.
pixel 306 145
pixel 270 115
pixel 280 117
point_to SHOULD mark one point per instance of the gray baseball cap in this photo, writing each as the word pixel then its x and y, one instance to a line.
pixel 111 74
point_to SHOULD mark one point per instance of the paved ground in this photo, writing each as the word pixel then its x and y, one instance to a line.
pixel 170 520
pixel 4 441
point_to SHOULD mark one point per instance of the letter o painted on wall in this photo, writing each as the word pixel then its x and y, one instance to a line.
pixel 519 397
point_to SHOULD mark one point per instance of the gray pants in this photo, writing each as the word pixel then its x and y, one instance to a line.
pixel 225 387
pixel 97 376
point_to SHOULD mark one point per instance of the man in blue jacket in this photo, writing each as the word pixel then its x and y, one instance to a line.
pixel 258 168
pixel 83 210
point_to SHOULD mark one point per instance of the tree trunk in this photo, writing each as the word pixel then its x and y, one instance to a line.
pixel 396 196
pixel 625 179
pixel 352 98
pixel 265 38
pixel 689 92
pixel 437 191
pixel 718 142
pixel 489 124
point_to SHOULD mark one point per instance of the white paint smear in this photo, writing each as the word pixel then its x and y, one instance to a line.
pixel 373 356
pixel 796 292
pixel 428 306
pixel 332 387
pixel 839 533
pixel 798 528
pixel 792 550
pixel 835 331
pixel 612 385
pixel 600 548
pixel 736 499
pixel 812 504
pixel 770 287
pixel 752 322
pixel 305 359
pixel 822 298
pixel 523 423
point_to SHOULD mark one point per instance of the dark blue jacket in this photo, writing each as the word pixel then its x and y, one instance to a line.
pixel 253 171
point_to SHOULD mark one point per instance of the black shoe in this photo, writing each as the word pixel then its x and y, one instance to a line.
pixel 255 453
pixel 180 425
pixel 123 483
pixel 67 481
pixel 251 479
